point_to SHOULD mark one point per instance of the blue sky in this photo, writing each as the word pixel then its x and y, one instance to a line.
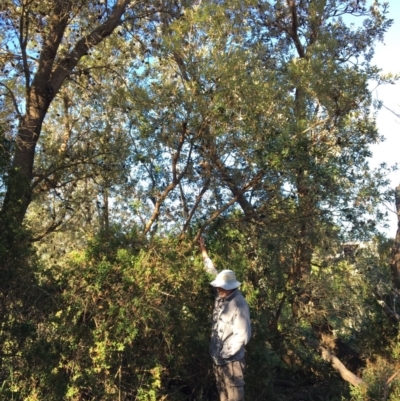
pixel 387 57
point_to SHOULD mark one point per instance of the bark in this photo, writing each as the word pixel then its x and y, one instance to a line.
pixel 327 355
pixel 395 261
pixel 306 211
pixel 293 29
pixel 339 367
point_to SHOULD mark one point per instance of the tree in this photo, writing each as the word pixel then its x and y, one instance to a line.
pixel 44 42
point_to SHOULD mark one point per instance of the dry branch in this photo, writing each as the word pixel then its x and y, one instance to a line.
pixel 339 367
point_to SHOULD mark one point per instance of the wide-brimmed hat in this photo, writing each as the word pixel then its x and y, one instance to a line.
pixel 226 279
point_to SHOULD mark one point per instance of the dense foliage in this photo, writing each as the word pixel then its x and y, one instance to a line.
pixel 128 129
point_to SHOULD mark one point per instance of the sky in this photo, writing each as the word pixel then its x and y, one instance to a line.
pixel 387 57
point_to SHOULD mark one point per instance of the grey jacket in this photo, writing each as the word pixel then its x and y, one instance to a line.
pixel 231 328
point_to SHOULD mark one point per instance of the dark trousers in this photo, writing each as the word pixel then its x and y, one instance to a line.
pixel 230 380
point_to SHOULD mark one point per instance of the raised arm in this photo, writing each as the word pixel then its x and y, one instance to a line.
pixel 208 264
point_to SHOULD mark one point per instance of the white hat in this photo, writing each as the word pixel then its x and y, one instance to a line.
pixel 226 279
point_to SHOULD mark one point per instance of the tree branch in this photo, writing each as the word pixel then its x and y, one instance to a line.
pixel 388 381
pixel 195 206
pixel 23 40
pixel 389 109
pixel 13 99
pixel 218 212
pixel 48 230
pixel 51 43
pixel 212 218
pixel 295 25
pixel 339 367
pixel 81 48
pixel 335 362
pixel 176 179
pixel 389 312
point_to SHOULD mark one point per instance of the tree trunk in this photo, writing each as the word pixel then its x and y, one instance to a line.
pixel 19 191
pixel 395 262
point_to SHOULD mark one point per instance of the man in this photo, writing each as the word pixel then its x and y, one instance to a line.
pixel 231 331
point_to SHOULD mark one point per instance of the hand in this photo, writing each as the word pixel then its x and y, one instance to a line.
pixel 201 242
pixel 202 246
pixel 208 264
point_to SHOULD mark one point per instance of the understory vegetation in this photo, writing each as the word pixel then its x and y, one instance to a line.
pixel 127 318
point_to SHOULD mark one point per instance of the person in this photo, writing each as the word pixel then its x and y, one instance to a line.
pixel 231 331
